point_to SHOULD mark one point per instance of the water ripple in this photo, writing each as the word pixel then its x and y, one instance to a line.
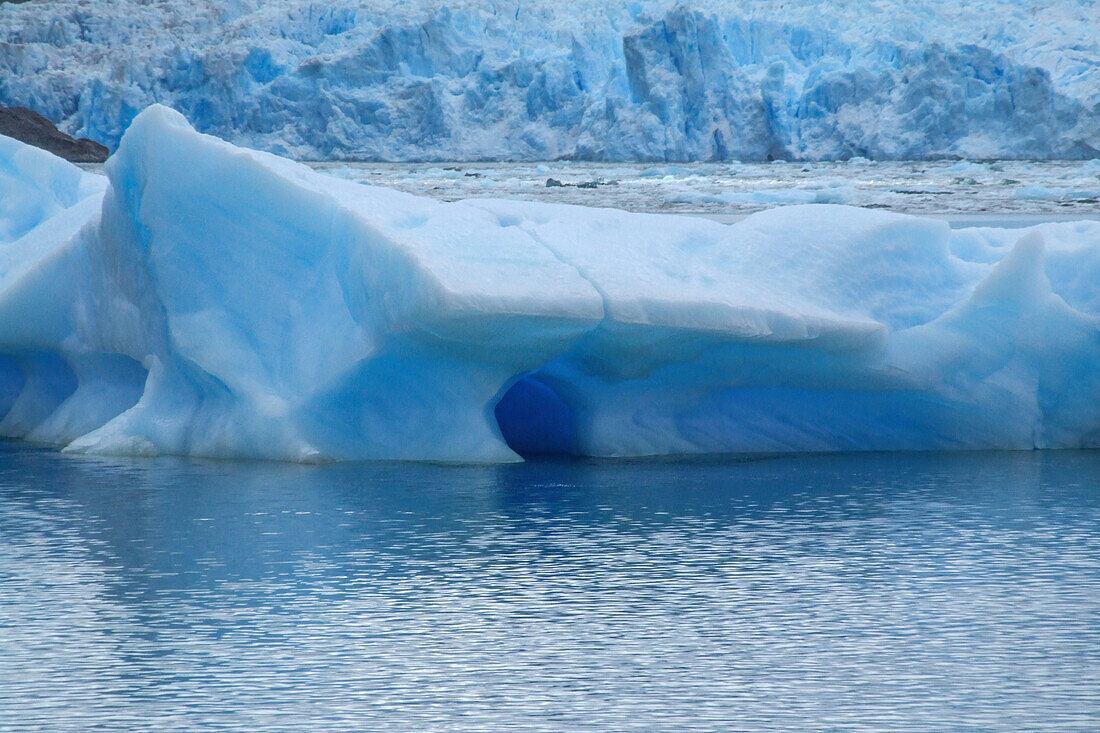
pixel 902 592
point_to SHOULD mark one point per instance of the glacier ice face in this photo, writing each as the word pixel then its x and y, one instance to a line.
pixel 536 80
pixel 204 299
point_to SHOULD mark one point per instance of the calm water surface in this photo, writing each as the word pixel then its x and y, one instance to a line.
pixel 857 592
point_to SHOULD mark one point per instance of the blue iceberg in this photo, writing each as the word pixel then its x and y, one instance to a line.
pixel 208 300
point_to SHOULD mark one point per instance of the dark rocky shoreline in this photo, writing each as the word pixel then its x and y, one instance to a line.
pixel 28 126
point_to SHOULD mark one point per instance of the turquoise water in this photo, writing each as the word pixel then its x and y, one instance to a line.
pixel 838 592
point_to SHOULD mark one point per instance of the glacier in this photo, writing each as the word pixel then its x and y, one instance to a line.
pixel 648 80
pixel 204 299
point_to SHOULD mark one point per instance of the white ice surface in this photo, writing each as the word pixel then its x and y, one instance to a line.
pixel 35 185
pixel 655 80
pixel 217 301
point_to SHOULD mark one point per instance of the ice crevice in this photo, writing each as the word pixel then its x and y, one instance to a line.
pixel 204 299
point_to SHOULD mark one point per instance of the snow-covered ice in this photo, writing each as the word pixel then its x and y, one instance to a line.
pixel 204 299
pixel 654 80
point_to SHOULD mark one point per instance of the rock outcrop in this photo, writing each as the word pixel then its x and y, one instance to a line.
pixel 28 126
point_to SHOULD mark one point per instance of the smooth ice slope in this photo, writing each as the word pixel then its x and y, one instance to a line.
pixel 35 186
pixel 221 302
pixel 647 80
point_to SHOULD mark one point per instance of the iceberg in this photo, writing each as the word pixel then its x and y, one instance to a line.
pixel 656 80
pixel 204 299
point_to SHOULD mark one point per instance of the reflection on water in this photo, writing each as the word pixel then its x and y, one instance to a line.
pixel 882 591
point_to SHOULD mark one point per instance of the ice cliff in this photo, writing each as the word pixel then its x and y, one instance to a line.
pixel 203 299
pixel 645 80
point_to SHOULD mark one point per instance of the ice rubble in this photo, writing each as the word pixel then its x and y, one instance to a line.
pixel 541 79
pixel 209 300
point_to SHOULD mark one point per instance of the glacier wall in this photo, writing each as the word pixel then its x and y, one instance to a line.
pixel 532 79
pixel 204 299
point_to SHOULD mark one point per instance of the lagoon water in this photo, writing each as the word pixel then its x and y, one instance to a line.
pixel 967 193
pixel 843 592
pixel 987 192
